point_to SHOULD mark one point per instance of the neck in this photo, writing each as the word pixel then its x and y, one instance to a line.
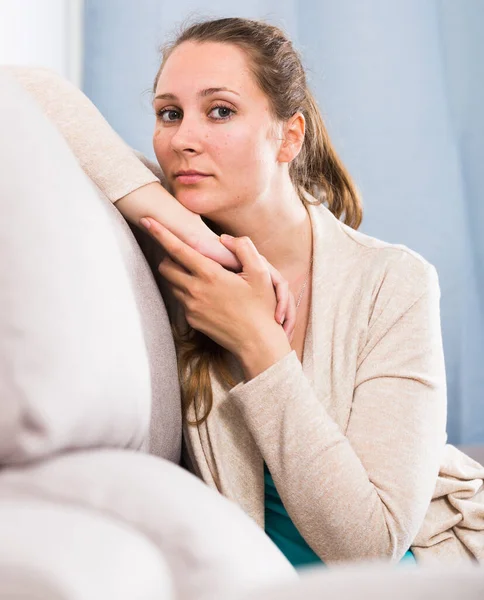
pixel 280 228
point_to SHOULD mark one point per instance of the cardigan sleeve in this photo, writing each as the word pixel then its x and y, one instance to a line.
pixel 106 159
pixel 360 494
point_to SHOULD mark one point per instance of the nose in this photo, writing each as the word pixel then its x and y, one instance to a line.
pixel 187 137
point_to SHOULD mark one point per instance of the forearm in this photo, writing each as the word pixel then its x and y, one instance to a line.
pixel 324 486
pixel 105 158
pixel 154 201
pixel 360 489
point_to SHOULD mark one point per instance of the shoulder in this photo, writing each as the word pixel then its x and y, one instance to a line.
pixel 375 282
pixel 398 283
pixel 376 263
pixel 396 262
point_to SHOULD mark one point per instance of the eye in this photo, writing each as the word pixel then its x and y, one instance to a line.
pixel 169 115
pixel 224 113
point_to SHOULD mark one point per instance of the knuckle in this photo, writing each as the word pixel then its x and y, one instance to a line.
pixel 195 290
pixel 190 319
pixel 261 271
pixel 195 299
pixel 173 246
pixel 192 291
pixel 211 275
pixel 161 266
pixel 176 251
pixel 190 306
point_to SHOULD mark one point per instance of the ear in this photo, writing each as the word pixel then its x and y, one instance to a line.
pixel 293 138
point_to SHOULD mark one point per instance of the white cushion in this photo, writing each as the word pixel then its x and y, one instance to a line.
pixel 74 370
pixel 70 553
pixel 212 548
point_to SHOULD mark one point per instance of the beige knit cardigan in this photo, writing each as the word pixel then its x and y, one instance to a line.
pixel 354 436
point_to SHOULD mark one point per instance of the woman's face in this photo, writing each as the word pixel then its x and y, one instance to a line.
pixel 213 119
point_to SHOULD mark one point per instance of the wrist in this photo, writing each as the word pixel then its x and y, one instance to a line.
pixel 208 243
pixel 262 351
pixel 197 234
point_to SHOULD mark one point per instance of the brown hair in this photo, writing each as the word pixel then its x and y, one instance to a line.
pixel 317 169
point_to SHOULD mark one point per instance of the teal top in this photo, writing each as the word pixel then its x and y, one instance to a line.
pixel 283 532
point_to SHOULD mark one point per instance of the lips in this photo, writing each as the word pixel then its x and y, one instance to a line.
pixel 190 177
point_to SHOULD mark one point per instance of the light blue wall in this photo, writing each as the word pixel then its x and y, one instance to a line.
pixel 399 86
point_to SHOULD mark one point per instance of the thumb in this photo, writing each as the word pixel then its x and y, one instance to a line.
pixel 252 262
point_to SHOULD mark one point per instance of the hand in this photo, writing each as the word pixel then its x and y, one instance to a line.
pixel 221 251
pixel 207 242
pixel 235 310
pixel 286 303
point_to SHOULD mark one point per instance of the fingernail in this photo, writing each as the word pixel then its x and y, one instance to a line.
pixel 226 236
pixel 145 223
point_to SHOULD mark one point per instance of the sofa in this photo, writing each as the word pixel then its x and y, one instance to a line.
pixel 94 500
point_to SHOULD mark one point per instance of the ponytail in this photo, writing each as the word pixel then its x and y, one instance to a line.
pixel 318 170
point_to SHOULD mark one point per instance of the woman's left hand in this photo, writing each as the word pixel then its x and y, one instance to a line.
pixel 236 310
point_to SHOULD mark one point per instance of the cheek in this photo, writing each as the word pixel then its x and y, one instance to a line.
pixel 240 152
pixel 161 145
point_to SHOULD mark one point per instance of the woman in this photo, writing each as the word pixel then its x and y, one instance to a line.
pixel 330 429
pixel 347 419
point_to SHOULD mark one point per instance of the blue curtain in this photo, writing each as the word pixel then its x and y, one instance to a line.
pixel 400 87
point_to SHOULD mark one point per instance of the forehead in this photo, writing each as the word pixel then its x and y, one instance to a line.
pixel 193 66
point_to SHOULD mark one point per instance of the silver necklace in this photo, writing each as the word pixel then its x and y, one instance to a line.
pixel 304 284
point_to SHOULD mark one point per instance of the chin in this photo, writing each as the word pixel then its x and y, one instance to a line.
pixel 197 201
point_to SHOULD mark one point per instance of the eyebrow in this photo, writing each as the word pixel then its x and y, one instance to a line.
pixel 202 93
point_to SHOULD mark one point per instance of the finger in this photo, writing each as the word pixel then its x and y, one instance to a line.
pixel 282 295
pixel 290 322
pixel 217 252
pixel 282 292
pixel 179 296
pixel 243 248
pixel 182 253
pixel 174 273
